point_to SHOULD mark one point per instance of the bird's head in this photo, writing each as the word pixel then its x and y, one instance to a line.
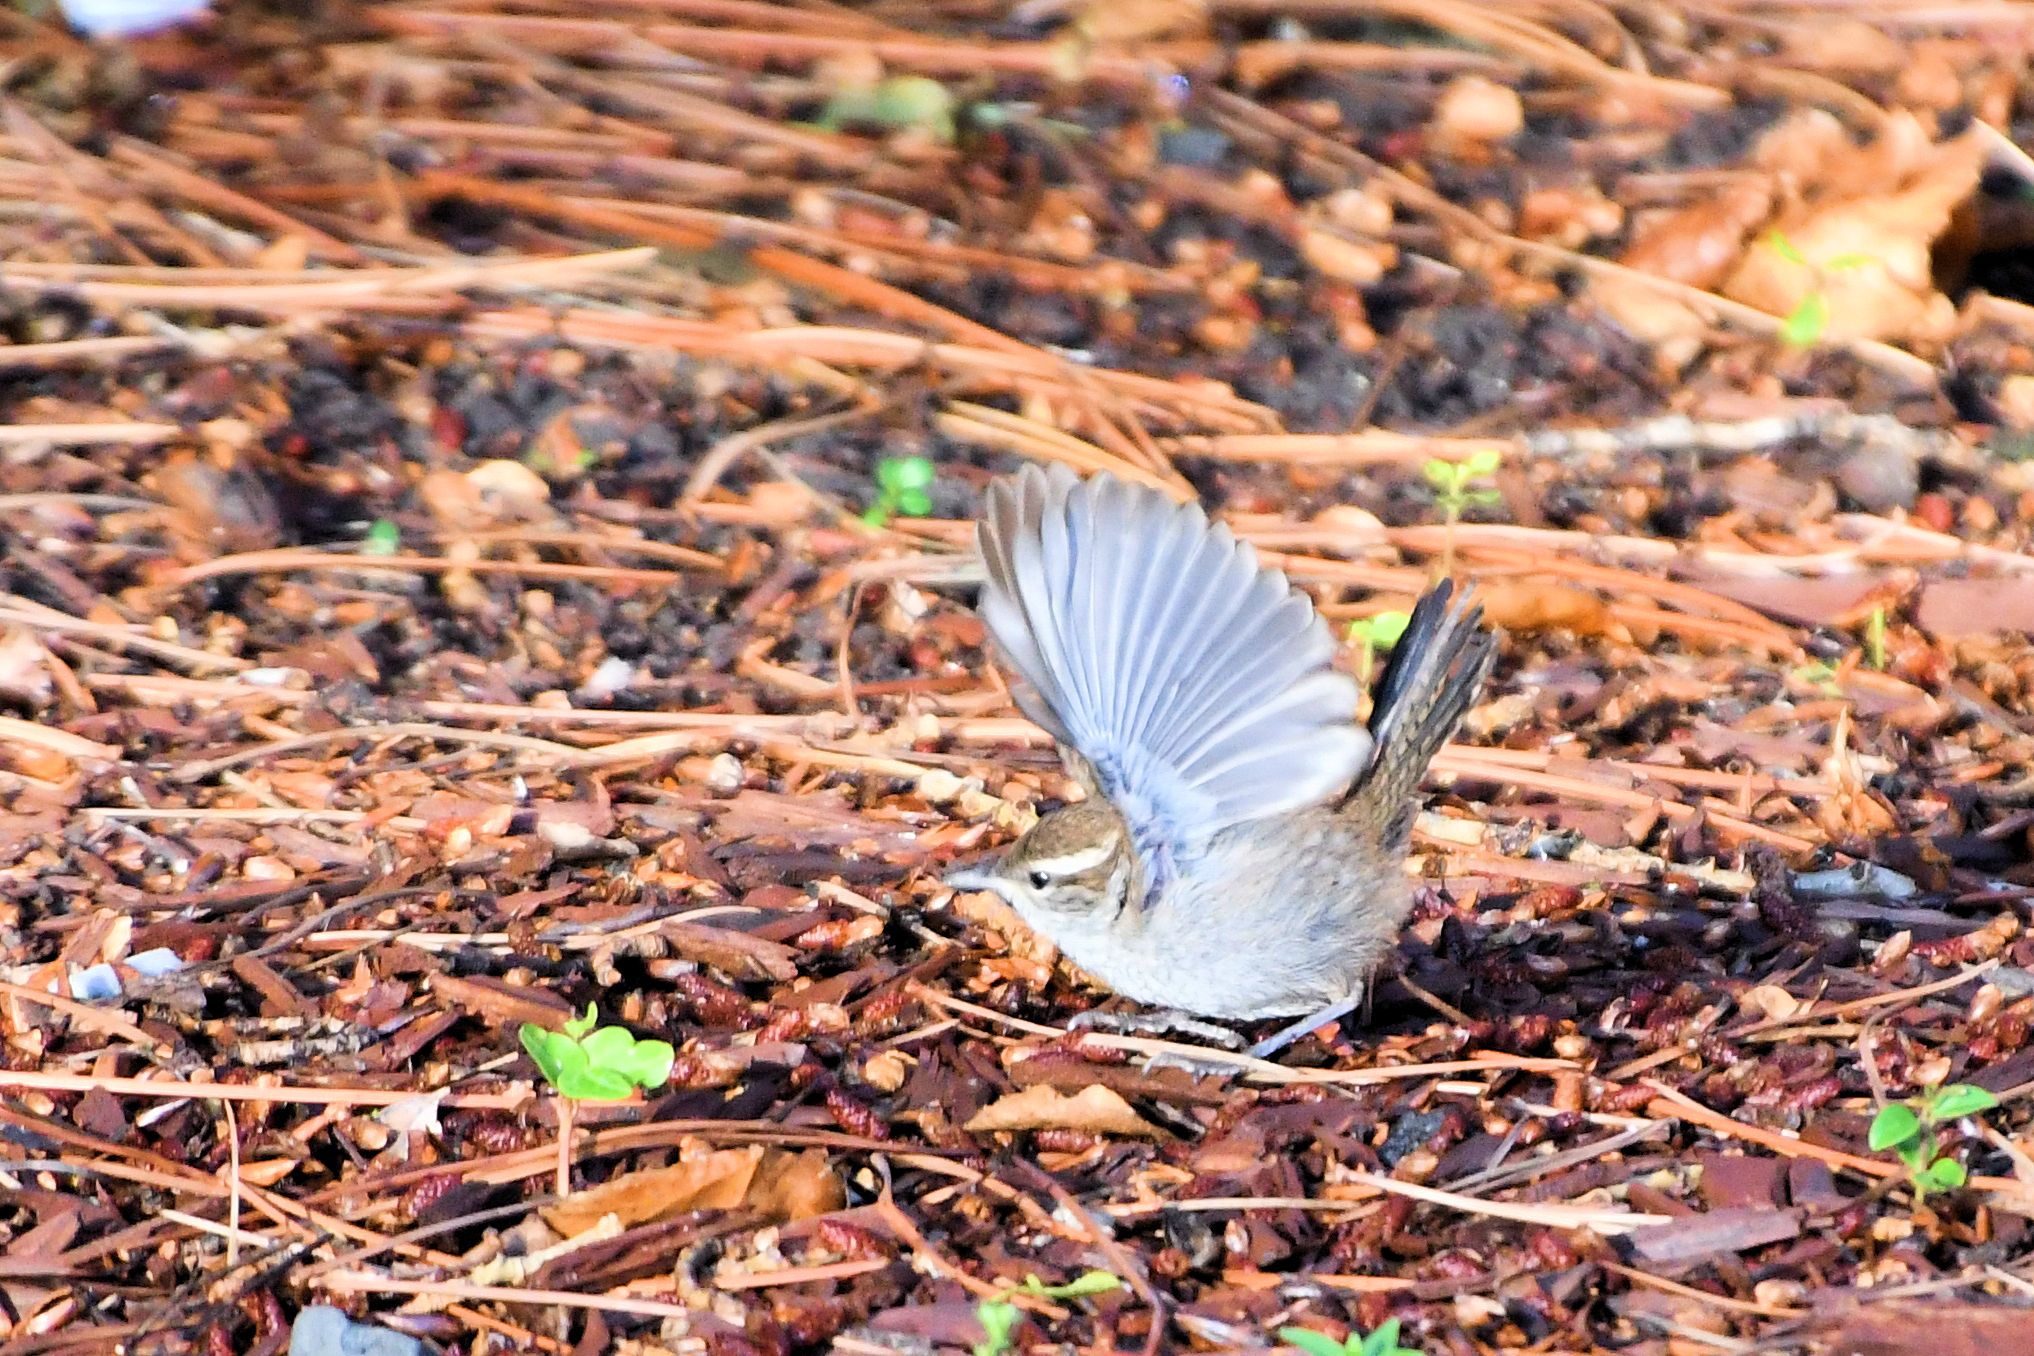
pixel 1076 863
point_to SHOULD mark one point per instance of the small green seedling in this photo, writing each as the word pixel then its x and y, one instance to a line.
pixel 1383 1342
pixel 900 102
pixel 1875 640
pixel 999 1317
pixel 1908 1129
pixel 588 1063
pixel 1375 635
pixel 999 1320
pixel 1805 325
pixel 383 539
pixel 1819 674
pixel 1080 1287
pixel 902 485
pixel 1455 490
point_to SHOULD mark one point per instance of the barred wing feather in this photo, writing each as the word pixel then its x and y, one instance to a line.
pixel 1196 684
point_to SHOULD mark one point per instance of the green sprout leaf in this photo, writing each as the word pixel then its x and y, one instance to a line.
pixel 1908 1129
pixel 1944 1174
pixel 1807 322
pixel 594 1084
pixel 1875 639
pixel 597 1064
pixel 1380 631
pixel 1785 249
pixel 1080 1287
pixel 901 101
pixel 1893 1127
pixel 1452 478
pixel 914 101
pixel 1314 1343
pixel 1820 674
pixel 1957 1101
pixel 557 1054
pixel 898 474
pixel 383 539
pixel 902 485
pixel 1916 1154
pixel 999 1320
pixel 1383 1342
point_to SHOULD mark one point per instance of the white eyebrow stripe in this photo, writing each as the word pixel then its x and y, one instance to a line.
pixel 1073 863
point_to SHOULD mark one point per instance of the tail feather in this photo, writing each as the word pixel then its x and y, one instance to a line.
pixel 1437 669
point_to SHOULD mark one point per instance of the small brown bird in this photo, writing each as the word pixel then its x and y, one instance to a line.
pixel 1240 852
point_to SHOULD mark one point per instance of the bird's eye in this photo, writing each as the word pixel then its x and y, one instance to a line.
pixel 1039 880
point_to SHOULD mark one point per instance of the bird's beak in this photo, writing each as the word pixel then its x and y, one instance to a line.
pixel 975 876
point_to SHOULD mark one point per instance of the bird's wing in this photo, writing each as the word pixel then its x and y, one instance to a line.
pixel 1195 684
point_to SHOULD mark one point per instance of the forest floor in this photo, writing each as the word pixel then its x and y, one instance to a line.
pixel 469 554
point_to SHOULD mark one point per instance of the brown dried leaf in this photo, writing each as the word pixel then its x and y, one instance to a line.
pixel 1534 605
pixel 1676 330
pixel 1719 1231
pixel 1107 22
pixel 1950 608
pixel 24 668
pixel 796 1186
pixel 1934 1325
pixel 1095 1109
pixel 21 738
pixel 1869 256
pixel 1474 109
pixel 266 1172
pixel 499 1004
pixel 1697 244
pixel 714 1181
pixel 1771 1001
pixel 492 492
pixel 735 954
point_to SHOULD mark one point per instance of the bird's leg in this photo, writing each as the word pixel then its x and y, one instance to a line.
pixel 1157 1022
pixel 1285 1036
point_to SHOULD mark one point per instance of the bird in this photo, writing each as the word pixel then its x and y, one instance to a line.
pixel 1239 853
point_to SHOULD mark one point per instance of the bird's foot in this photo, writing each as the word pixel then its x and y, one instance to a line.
pixel 1313 1021
pixel 1190 1066
pixel 1157 1022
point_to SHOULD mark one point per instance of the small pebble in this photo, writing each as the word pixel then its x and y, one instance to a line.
pixel 321 1330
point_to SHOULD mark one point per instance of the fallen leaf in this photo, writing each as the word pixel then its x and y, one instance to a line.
pixel 496 1003
pixel 777 1184
pixel 1950 608
pixel 1771 1002
pixel 1474 109
pixel 1534 605
pixel 24 735
pixel 796 1186
pixel 1114 22
pixel 24 668
pixel 1699 243
pixel 1653 315
pixel 1095 1109
pixel 1696 1237
pixel 736 954
pixel 1868 258
pixel 713 1181
pixel 1936 1326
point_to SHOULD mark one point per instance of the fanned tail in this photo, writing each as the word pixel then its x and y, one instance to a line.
pixel 1436 671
